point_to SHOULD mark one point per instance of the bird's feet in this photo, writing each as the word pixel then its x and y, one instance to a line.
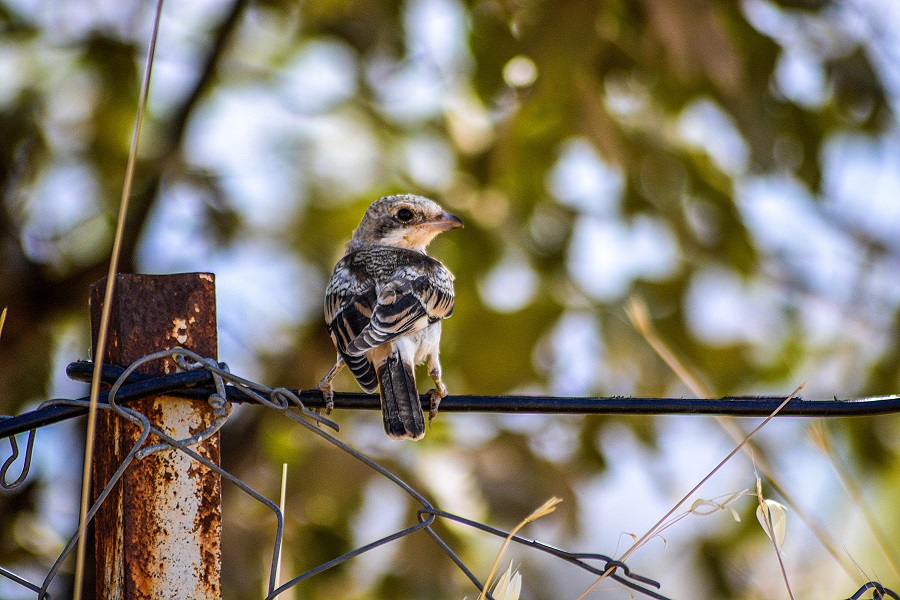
pixel 324 386
pixel 327 395
pixel 435 395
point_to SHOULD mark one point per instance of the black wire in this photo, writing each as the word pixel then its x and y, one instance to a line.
pixel 198 384
pixel 576 558
pixel 740 406
pixel 880 591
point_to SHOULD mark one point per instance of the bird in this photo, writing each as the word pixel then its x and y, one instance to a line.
pixel 384 305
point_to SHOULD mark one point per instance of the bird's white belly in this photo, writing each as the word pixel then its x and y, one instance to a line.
pixel 420 344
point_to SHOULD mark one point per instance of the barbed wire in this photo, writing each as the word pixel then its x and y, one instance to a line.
pixel 205 378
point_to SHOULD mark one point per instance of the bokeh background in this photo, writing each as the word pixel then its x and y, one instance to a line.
pixel 735 164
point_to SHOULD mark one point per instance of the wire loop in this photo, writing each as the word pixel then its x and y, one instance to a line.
pixel 195 372
pixel 26 464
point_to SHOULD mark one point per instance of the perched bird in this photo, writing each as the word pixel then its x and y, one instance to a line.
pixel 384 306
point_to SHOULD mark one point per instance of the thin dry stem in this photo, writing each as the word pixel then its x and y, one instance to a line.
pixel 784 575
pixel 770 530
pixel 543 510
pixel 2 320
pixel 107 306
pixel 659 524
pixel 640 318
pixel 823 439
pixel 281 503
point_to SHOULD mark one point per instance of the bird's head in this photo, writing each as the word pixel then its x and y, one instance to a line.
pixel 403 221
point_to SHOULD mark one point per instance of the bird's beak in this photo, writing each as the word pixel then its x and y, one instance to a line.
pixel 445 222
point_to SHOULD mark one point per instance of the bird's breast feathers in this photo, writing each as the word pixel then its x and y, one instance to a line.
pixel 380 293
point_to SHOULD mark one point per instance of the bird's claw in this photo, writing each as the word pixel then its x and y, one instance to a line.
pixel 434 398
pixel 327 396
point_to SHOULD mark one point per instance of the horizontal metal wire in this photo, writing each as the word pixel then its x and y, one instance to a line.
pixel 206 379
pixel 198 384
pixel 129 384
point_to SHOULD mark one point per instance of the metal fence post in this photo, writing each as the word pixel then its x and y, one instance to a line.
pixel 158 533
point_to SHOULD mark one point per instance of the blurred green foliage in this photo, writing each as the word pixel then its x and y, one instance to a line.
pixel 620 75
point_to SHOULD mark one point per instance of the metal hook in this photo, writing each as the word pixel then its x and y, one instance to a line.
pixel 26 465
pixel 880 592
pixel 286 395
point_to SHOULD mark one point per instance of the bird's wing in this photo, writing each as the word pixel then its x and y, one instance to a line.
pixel 414 297
pixel 349 303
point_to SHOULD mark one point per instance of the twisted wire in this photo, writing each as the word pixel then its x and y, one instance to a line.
pixel 194 379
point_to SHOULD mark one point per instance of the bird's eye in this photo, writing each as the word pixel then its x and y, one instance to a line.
pixel 405 215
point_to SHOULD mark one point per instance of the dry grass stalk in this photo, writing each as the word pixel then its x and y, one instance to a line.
pixel 543 510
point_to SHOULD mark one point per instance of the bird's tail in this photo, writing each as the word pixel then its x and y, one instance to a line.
pixel 400 407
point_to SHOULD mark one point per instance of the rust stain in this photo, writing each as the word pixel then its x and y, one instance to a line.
pixel 141 326
pixel 107 544
pixel 165 498
pixel 172 512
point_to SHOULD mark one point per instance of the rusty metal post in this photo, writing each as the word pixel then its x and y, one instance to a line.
pixel 158 533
